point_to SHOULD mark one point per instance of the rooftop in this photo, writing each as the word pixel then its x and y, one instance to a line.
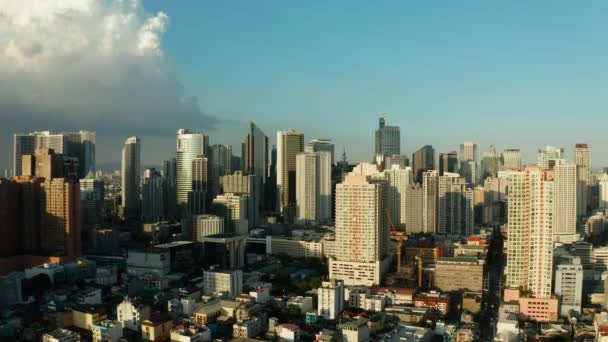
pixel 174 244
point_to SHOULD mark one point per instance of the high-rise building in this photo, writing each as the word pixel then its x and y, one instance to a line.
pixel 491 163
pixel 455 215
pixel 424 160
pixel 414 208
pixel 170 188
pixel 289 144
pixel 189 146
pixel 321 145
pixel 233 208
pixel 603 192
pixel 9 218
pixel 569 283
pixel 388 139
pixel 549 153
pixel 448 162
pixel 256 160
pixel 91 206
pixel 399 179
pixel 430 201
pixel 152 196
pixel 79 146
pixel 220 160
pixel 583 165
pixel 512 159
pixel 44 163
pixel 198 194
pixel 206 225
pixel 495 191
pixel 60 226
pixel 242 184
pixel 313 187
pixel 468 151
pixel 362 236
pixel 130 173
pixel 530 233
pixel 564 228
pixel 468 170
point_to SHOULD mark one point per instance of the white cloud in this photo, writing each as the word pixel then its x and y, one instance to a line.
pixel 69 64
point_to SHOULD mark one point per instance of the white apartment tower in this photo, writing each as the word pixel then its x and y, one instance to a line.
pixel 430 188
pixel 530 232
pixel 331 299
pixel 603 184
pixel 569 283
pixel 512 159
pixel 399 179
pixel 468 151
pixel 582 161
pixel 313 187
pixel 455 202
pixel 189 146
pixel 549 153
pixel 564 229
pixel 362 236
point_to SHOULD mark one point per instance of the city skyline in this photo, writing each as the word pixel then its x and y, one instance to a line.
pixel 523 76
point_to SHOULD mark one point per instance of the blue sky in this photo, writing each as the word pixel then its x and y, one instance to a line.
pixel 513 74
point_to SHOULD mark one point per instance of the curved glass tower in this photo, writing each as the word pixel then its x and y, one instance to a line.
pixel 189 146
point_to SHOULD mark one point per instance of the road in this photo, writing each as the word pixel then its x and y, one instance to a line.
pixel 495 263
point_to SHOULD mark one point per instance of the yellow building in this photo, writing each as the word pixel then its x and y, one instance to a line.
pixel 84 317
pixel 157 328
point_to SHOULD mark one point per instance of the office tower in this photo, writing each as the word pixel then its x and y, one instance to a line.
pixel 206 225
pixel 468 170
pixel 455 206
pixel 60 226
pixel 549 153
pixel 321 145
pixel 414 208
pixel 424 160
pixel 23 144
pixel 569 283
pixel 170 189
pixel 189 146
pixel 331 299
pixel 362 236
pixel 85 148
pixel 313 187
pixel 603 189
pixel 9 218
pixel 564 228
pixel 491 163
pixel 130 174
pixel 530 233
pixel 242 184
pixel 512 159
pixel 44 163
pixel 255 161
pixel 479 197
pixel 30 200
pixel 468 151
pixel 92 210
pixel 233 208
pixel 152 196
pixel 399 179
pixel 430 205
pixel 220 159
pixel 289 144
pixel 448 162
pixel 582 161
pixel 388 139
pixel 495 191
pixel 396 160
pixel 198 194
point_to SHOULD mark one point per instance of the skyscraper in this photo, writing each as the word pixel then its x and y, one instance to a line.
pixel 564 229
pixel 530 234
pixel 430 205
pixel 255 161
pixel 468 170
pixel 455 214
pixel 582 161
pixel 603 192
pixel 189 146
pixel 91 206
pixel 242 184
pixel 313 187
pixel 362 236
pixel 152 196
pixel 549 153
pixel 170 188
pixel 424 160
pixel 512 159
pixel 23 144
pixel 388 139
pixel 130 173
pixel 220 160
pixel 289 144
pixel 61 218
pixel 198 195
pixel 414 209
pixel 321 145
pixel 399 179
pixel 468 151
pixel 44 163
pixel 448 162
pixel 491 163
pixel 233 208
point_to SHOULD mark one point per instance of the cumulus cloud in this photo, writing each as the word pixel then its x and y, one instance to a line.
pixel 90 64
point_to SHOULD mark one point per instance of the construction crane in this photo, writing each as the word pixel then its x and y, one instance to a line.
pixel 397 236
